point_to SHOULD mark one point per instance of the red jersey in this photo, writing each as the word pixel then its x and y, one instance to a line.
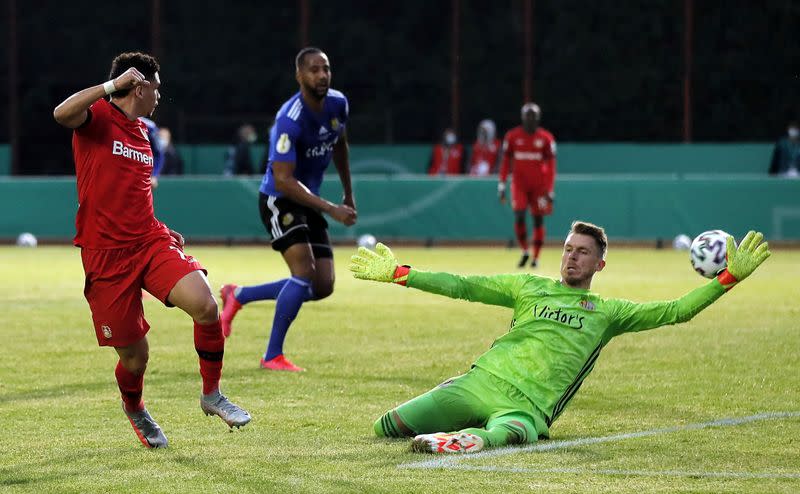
pixel 532 158
pixel 113 164
pixel 484 158
pixel 446 160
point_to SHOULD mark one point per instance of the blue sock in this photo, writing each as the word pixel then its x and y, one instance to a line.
pixel 295 291
pixel 267 291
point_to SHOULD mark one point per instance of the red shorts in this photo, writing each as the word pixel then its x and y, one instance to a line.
pixel 537 198
pixel 115 279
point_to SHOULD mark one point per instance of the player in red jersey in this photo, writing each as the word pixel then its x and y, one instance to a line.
pixel 125 249
pixel 530 151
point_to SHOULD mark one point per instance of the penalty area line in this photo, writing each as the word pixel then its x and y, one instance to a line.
pixel 452 461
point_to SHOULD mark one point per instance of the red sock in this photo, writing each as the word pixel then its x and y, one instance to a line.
pixel 210 345
pixel 538 240
pixel 522 235
pixel 130 386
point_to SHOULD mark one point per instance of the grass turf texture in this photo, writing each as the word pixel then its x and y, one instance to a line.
pixel 371 346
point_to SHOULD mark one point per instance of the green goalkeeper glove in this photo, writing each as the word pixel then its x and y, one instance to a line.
pixel 378 265
pixel 742 261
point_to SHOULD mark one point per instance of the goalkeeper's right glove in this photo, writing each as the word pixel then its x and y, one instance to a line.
pixel 378 265
pixel 742 261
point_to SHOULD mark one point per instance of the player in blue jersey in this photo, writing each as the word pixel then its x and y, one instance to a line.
pixel 309 130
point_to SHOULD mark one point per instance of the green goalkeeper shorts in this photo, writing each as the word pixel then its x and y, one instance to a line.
pixel 475 399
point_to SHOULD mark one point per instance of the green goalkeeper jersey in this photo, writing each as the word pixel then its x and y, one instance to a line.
pixel 557 332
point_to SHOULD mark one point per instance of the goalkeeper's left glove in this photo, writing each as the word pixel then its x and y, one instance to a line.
pixel 742 261
pixel 378 265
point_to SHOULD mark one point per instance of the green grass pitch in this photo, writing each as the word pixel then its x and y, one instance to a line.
pixel 372 346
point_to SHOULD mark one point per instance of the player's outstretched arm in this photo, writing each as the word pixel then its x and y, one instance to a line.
pixel 382 265
pixel 744 259
pixel 71 113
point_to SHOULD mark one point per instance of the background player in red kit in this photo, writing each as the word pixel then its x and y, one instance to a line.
pixel 125 249
pixel 530 152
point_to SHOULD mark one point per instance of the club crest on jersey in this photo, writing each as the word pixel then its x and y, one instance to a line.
pixel 335 123
pixel 287 219
pixel 587 305
pixel 538 143
pixel 106 331
pixel 144 134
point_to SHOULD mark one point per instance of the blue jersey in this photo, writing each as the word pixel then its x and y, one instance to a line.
pixel 305 138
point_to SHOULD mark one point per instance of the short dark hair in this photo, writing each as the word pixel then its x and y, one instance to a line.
pixel 594 231
pixel 300 59
pixel 144 63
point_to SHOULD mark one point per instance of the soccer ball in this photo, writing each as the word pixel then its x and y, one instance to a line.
pixel 682 242
pixel 708 252
pixel 27 240
pixel 367 241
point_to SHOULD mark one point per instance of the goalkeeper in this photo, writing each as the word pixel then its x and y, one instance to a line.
pixel 514 391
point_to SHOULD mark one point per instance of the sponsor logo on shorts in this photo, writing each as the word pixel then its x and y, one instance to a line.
pixel 106 331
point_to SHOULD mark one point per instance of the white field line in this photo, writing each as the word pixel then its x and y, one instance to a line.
pixel 451 461
pixel 632 473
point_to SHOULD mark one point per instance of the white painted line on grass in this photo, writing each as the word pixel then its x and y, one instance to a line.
pixel 639 473
pixel 450 461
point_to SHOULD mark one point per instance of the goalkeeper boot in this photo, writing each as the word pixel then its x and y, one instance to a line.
pixel 217 404
pixel 457 442
pixel 280 363
pixel 523 260
pixel 230 306
pixel 146 429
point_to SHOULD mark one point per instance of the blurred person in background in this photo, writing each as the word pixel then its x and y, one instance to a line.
pixel 173 163
pixel 529 151
pixel 447 157
pixel 309 131
pixel 238 160
pixel 157 147
pixel 786 153
pixel 125 249
pixel 485 150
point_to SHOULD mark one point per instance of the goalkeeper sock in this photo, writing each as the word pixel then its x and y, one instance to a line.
pixel 538 240
pixel 522 235
pixel 295 291
pixel 130 387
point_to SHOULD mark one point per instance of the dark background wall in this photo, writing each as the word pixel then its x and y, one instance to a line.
pixel 602 71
